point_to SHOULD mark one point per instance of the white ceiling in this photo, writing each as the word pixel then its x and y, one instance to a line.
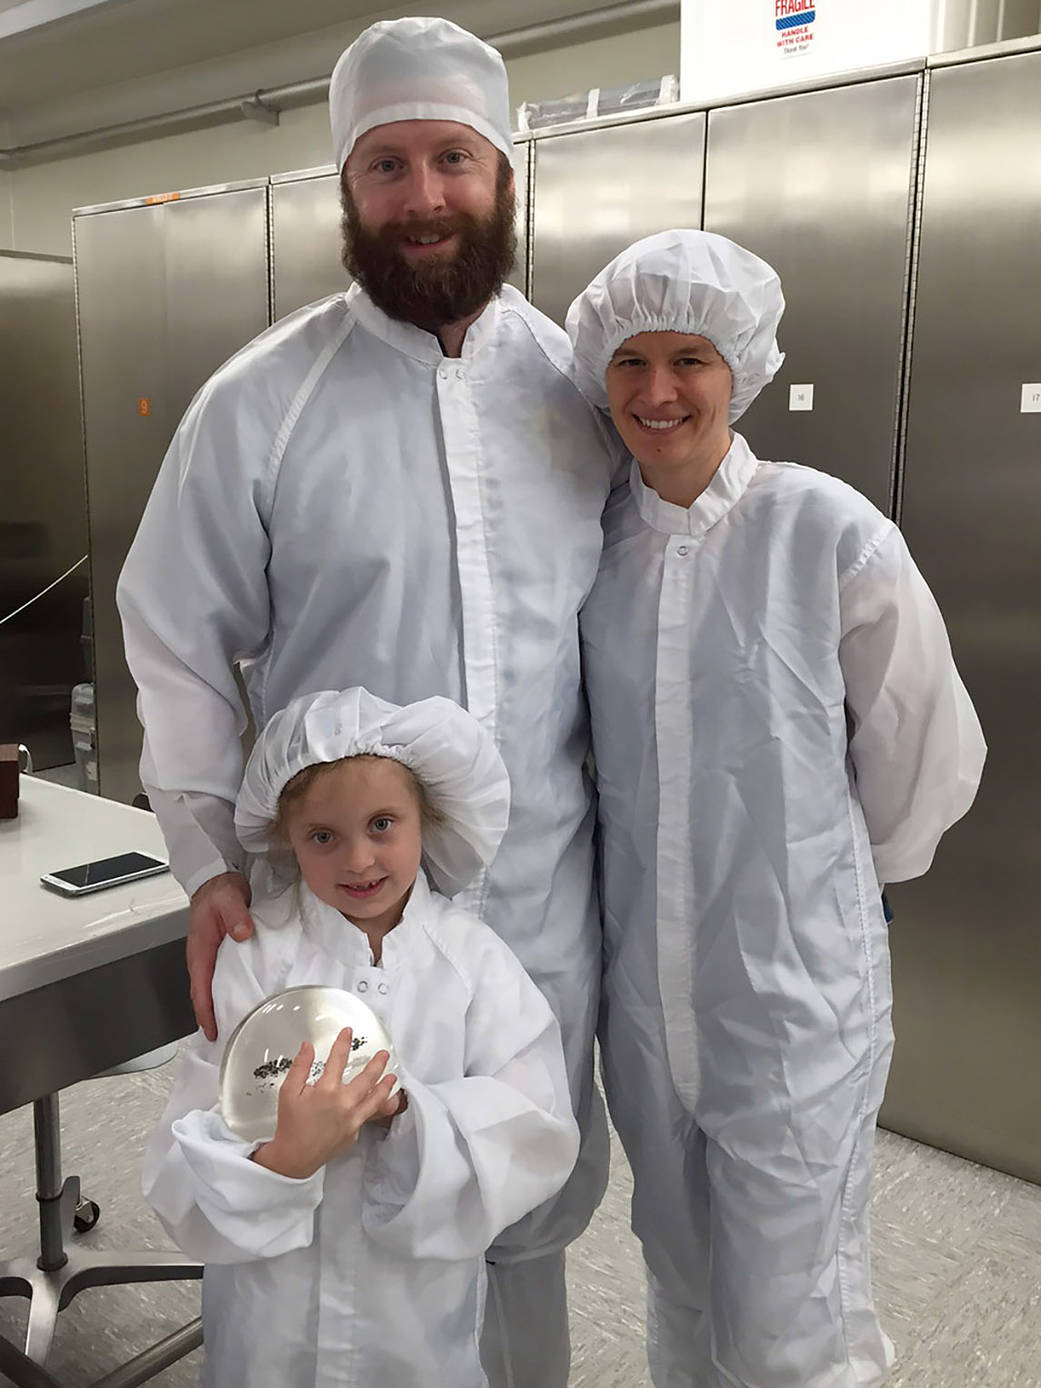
pixel 75 46
pixel 20 16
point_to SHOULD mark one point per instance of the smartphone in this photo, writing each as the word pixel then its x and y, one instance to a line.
pixel 106 872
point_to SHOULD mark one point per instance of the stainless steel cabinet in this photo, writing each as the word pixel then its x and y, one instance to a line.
pixel 167 291
pixel 596 191
pixel 43 526
pixel 967 937
pixel 820 185
pixel 521 175
pixel 306 240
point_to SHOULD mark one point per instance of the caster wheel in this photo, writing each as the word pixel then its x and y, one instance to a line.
pixel 88 1212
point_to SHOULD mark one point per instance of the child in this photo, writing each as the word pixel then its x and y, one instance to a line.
pixel 350 1248
pixel 779 730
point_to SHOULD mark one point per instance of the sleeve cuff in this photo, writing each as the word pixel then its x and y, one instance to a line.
pixel 202 875
pixel 221 1162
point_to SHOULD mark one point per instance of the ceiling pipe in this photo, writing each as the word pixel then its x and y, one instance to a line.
pixel 267 104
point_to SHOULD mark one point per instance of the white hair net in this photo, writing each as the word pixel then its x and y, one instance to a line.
pixel 418 69
pixel 683 282
pixel 447 749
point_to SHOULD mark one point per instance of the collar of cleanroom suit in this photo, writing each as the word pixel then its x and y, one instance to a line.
pixel 371 1271
pixel 778 728
pixel 343 504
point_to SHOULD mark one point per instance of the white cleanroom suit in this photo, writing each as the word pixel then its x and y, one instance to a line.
pixel 778 728
pixel 371 1271
pixel 344 505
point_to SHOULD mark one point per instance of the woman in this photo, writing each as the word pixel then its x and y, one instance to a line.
pixel 779 731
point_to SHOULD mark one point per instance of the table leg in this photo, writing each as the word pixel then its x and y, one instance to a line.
pixel 50 1189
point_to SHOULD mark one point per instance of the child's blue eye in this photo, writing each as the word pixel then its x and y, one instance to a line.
pixel 322 836
pixel 382 824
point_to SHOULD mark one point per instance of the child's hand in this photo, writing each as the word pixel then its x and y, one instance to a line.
pixel 319 1121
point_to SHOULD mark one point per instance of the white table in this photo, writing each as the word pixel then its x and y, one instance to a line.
pixel 86 983
pixel 46 937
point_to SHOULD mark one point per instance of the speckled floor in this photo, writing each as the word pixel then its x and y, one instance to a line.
pixel 957 1259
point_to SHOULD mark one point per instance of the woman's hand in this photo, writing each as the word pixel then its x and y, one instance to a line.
pixel 319 1121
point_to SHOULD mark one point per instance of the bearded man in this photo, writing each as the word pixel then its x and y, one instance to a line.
pixel 398 487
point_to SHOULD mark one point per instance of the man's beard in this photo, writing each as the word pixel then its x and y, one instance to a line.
pixel 437 290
